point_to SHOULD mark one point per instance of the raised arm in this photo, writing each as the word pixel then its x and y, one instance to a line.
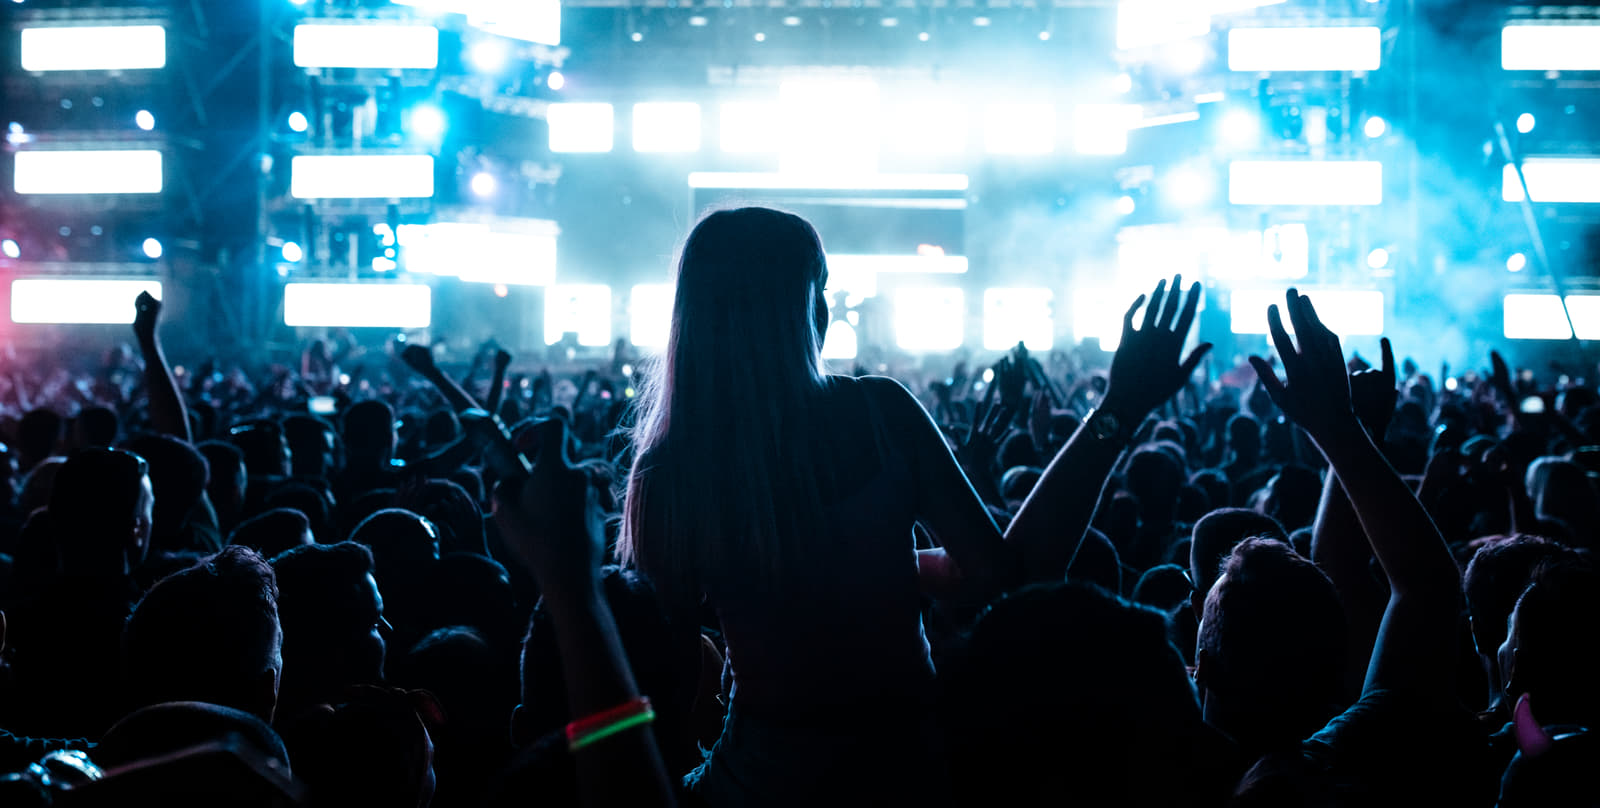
pixel 420 359
pixel 167 415
pixel 497 384
pixel 1416 644
pixel 1145 372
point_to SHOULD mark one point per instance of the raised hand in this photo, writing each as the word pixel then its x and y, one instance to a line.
pixel 551 518
pixel 147 312
pixel 1317 393
pixel 419 358
pixel 1147 369
pixel 1373 393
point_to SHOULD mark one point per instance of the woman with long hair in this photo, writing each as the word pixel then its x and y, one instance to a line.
pixel 784 499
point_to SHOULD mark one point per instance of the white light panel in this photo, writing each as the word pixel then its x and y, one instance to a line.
pixel 1142 23
pixel 531 20
pixel 940 264
pixel 1554 179
pixel 94 47
pixel 1012 315
pixel 1305 48
pixel 1103 128
pixel 1347 312
pixel 125 171
pixel 1148 253
pixel 650 315
pixel 368 44
pixel 1097 313
pixel 357 305
pixel 77 300
pixel 582 308
pixel 361 176
pixel 1305 182
pixel 1019 128
pixel 475 253
pixel 763 181
pixel 751 127
pixel 666 127
pixel 926 127
pixel 1550 47
pixel 840 342
pixel 929 318
pixel 583 127
pixel 1539 316
pixel 830 125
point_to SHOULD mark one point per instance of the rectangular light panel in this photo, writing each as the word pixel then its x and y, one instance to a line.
pixel 1305 182
pixel 475 253
pixel 1098 313
pixel 751 127
pixel 650 315
pixel 1550 47
pixel 926 127
pixel 94 47
pixel 764 181
pixel 830 125
pixel 1554 179
pixel 1348 312
pixel 368 44
pixel 1305 49
pixel 1539 316
pixel 531 20
pixel 937 264
pixel 357 305
pixel 582 308
pixel 929 318
pixel 1103 128
pixel 1012 315
pixel 361 176
pixel 666 127
pixel 77 300
pixel 1019 128
pixel 124 171
pixel 580 128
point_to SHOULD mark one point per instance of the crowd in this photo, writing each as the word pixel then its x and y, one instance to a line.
pixel 726 577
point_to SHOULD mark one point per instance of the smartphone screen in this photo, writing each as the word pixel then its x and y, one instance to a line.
pixel 321 405
pixel 1533 405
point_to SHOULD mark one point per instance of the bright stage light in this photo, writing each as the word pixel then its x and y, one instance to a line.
pixel 778 181
pixel 298 122
pixel 77 300
pixel 1305 48
pixel 666 127
pixel 841 341
pixel 751 127
pixel 1554 179
pixel 1241 129
pixel 760 37
pixel 928 126
pixel 1189 187
pixel 489 55
pixel 292 252
pixel 1125 205
pixel 357 305
pixel 366 44
pixel 1375 127
pixel 427 122
pixel 361 176
pixel 1142 23
pixel 1018 315
pixel 1103 128
pixel 582 308
pixel 1378 258
pixel 1539 316
pixel 1019 128
pixel 1350 312
pixel 1186 56
pixel 1517 262
pixel 1525 122
pixel 474 253
pixel 10 249
pixel 484 184
pixel 144 120
pixel 127 171
pixel 1122 83
pixel 650 315
pixel 556 80
pixel 94 47
pixel 580 127
pixel 848 264
pixel 1550 47
pixel 1097 313
pixel 929 318
pixel 152 248
pixel 1305 182
pixel 829 125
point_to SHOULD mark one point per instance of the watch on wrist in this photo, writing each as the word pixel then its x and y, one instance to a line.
pixel 1106 425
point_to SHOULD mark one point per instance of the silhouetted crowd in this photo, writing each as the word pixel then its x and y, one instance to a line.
pixel 724 577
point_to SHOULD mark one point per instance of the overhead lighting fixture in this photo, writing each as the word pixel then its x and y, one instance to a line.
pixel 366 44
pixel 94 47
pixel 1540 316
pixel 1547 47
pixel 361 176
pixel 1300 49
pixel 584 127
pixel 125 171
pixel 1305 182
pixel 929 126
pixel 144 120
pixel 357 305
pixel 1516 262
pixel 78 300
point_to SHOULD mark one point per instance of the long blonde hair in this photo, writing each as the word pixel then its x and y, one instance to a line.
pixel 725 480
